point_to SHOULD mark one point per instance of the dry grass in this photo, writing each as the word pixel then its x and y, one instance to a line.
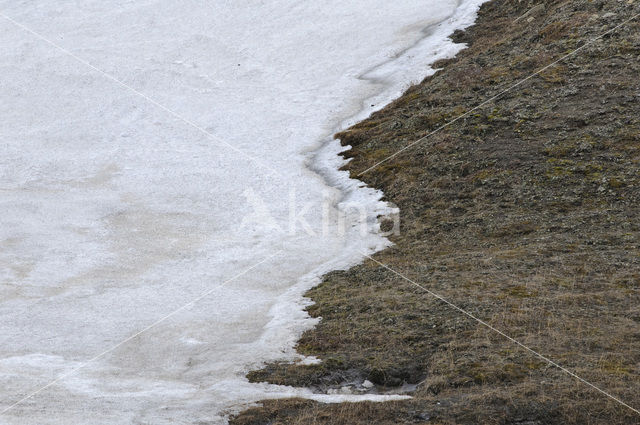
pixel 526 214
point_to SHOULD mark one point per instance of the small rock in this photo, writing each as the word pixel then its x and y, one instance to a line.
pixel 367 384
pixel 423 416
pixel 533 10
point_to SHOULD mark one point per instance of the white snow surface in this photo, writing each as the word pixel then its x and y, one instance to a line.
pixel 151 153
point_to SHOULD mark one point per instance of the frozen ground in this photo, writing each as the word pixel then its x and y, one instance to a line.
pixel 151 155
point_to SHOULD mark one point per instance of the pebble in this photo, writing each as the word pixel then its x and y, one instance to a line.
pixel 346 390
pixel 367 384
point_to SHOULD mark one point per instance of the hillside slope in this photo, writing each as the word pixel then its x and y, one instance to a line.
pixel 524 213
